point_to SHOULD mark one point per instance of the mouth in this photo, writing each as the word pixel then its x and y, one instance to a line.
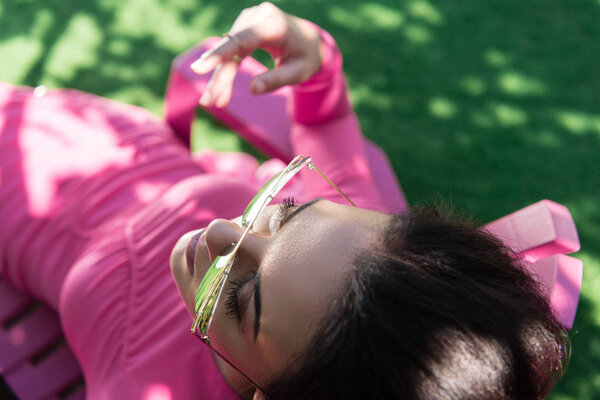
pixel 190 250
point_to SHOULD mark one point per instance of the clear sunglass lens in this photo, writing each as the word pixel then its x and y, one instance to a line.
pixel 261 198
pixel 212 284
pixel 271 188
pixel 211 287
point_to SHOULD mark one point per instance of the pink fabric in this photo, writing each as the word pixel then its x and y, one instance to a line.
pixel 94 194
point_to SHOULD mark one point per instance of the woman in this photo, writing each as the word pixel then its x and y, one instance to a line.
pixel 324 300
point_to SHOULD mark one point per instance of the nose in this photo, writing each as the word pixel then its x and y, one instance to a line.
pixel 220 233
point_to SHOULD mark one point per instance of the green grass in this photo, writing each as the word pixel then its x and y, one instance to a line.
pixel 491 105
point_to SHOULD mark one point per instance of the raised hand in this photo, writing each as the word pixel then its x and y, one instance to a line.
pixel 293 43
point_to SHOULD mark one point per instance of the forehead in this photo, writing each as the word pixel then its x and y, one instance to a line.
pixel 306 266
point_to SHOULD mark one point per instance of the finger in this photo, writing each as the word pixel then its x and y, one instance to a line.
pixel 223 86
pixel 208 98
pixel 219 88
pixel 239 44
pixel 223 51
pixel 289 73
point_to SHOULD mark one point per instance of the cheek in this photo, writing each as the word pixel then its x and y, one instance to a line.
pixel 222 330
pixel 225 333
pixel 225 337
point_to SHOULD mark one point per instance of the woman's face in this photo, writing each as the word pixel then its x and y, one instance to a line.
pixel 288 271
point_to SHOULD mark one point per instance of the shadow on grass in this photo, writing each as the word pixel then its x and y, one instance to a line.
pixel 492 106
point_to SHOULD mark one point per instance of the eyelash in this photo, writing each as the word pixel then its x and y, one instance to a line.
pixel 284 209
pixel 232 307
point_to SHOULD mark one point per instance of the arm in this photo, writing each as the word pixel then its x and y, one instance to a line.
pixel 325 127
pixel 323 124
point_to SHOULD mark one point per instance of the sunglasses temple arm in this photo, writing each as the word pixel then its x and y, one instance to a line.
pixel 314 167
pixel 206 341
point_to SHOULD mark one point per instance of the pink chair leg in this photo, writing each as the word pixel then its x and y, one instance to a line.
pixel 540 235
pixel 561 276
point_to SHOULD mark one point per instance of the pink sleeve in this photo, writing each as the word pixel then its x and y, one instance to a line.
pixel 326 128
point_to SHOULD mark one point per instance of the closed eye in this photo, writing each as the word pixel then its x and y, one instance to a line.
pixel 289 215
pixel 236 304
pixel 283 210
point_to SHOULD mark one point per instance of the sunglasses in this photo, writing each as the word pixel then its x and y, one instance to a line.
pixel 211 287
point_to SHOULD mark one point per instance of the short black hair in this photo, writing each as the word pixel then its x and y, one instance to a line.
pixel 440 309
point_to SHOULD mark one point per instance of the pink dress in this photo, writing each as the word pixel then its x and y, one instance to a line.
pixel 93 196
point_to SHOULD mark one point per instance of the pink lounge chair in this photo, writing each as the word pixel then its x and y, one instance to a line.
pixel 35 360
pixel 541 234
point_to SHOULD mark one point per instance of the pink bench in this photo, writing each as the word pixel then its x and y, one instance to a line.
pixel 35 360
pixel 541 235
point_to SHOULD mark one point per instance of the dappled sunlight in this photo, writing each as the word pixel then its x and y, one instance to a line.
pixel 208 134
pixel 518 84
pixel 417 33
pixel 372 16
pixel 424 10
pixel 77 48
pixel 496 58
pixel 508 115
pixel 381 16
pixel 129 72
pixel 119 47
pixel 413 22
pixel 150 18
pixel 365 92
pixel 23 51
pixel 491 107
pixel 116 69
pixel 473 85
pixel 138 94
pixel 498 115
pixel 43 22
pixel 441 107
pixel 578 123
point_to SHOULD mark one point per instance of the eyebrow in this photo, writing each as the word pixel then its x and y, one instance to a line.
pixel 257 298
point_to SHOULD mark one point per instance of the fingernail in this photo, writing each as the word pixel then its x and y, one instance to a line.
pixel 206 99
pixel 199 66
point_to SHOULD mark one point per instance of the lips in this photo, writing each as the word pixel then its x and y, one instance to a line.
pixel 190 251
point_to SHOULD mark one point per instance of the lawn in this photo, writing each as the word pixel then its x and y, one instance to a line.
pixel 489 105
